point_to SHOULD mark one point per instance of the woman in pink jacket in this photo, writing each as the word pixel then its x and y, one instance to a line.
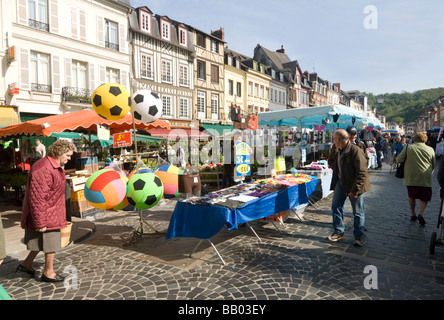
pixel 43 211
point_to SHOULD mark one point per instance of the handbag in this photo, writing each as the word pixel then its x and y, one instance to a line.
pixel 400 170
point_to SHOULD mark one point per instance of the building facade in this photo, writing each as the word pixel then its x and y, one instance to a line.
pixel 62 51
pixel 162 53
pixel 209 77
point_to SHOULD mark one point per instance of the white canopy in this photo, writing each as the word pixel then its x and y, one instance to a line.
pixel 311 116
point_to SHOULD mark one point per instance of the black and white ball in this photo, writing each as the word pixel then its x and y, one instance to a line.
pixel 147 106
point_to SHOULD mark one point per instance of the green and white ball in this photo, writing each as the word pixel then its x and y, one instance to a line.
pixel 144 190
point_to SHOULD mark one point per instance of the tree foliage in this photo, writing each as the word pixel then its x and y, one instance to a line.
pixel 405 106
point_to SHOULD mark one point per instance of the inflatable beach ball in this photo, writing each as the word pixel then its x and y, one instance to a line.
pixel 141 170
pixel 144 190
pixel 105 189
pixel 147 106
pixel 111 101
pixel 169 175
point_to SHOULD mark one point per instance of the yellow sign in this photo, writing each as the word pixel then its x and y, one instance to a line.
pixel 242 159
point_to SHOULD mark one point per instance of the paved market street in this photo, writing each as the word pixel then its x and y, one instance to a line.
pixel 296 263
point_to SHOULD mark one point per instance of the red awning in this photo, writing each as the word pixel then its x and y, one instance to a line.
pixel 83 120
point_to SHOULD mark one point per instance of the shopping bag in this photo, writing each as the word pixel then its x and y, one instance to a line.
pixel 66 234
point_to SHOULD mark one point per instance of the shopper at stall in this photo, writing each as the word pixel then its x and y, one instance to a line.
pixel 40 149
pixel 229 160
pixel 43 211
pixel 418 170
pixel 350 179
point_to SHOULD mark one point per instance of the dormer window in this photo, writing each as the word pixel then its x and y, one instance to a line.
pixel 145 21
pixel 165 27
pixel 183 36
pixel 229 60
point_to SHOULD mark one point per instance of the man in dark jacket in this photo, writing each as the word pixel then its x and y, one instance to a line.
pixel 350 179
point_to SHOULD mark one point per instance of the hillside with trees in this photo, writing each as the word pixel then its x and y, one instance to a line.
pixel 405 106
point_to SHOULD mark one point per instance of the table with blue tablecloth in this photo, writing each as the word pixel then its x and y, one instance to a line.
pixel 204 221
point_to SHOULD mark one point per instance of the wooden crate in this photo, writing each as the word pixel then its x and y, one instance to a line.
pixel 80 206
pixel 77 196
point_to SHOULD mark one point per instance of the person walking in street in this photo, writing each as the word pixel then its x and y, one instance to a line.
pixel 43 211
pixel 350 179
pixel 379 143
pixel 418 170
pixel 352 135
pixel 400 144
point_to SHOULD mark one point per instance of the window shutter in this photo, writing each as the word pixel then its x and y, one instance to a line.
pixel 56 79
pixel 74 32
pixel 100 32
pixel 102 74
pixel 124 79
pixel 24 69
pixel 82 26
pixel 68 70
pixel 23 12
pixel 53 16
pixel 122 37
pixel 91 75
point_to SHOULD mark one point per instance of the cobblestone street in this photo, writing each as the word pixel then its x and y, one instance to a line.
pixel 297 262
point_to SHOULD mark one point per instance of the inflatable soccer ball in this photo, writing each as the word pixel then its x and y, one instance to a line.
pixel 144 190
pixel 169 175
pixel 105 189
pixel 111 101
pixel 147 106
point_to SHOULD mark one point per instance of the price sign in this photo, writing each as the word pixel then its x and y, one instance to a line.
pixel 242 159
pixel 123 139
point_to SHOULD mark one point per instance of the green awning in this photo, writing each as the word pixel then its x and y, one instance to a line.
pixel 146 138
pixel 218 127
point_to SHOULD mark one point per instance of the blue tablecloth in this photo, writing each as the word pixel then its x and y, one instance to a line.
pixel 205 221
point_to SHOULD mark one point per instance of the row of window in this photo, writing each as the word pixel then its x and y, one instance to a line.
pixel 40 74
pixel 38 18
pixel 147 70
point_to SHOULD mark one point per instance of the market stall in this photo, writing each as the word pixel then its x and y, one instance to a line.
pixel 204 217
pixel 69 125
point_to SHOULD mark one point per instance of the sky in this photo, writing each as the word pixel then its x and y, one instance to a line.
pixel 374 46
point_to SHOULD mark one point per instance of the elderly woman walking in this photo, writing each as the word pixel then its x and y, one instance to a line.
pixel 418 170
pixel 43 212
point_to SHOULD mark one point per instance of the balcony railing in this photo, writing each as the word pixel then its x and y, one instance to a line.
pixel 41 87
pixel 38 25
pixel 77 95
pixel 111 45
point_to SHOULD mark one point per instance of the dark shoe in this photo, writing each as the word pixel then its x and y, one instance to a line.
pixel 358 242
pixel 57 278
pixel 413 218
pixel 25 270
pixel 421 220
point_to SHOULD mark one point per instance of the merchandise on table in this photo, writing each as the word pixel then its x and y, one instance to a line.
pixel 239 195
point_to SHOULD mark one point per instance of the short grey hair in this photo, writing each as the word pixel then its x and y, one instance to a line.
pixel 60 147
pixel 342 134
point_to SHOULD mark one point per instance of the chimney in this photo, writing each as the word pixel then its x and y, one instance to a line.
pixel 281 50
pixel 338 85
pixel 219 34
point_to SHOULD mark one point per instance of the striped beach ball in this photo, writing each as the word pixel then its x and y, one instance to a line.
pixel 169 175
pixel 106 189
